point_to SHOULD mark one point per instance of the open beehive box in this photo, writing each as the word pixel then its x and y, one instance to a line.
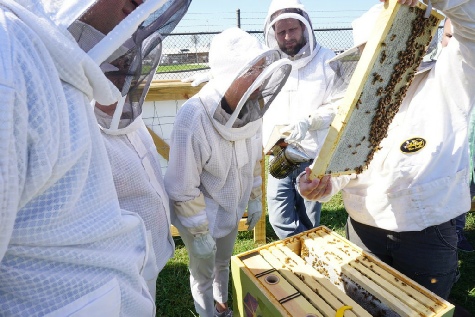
pixel 376 88
pixel 319 273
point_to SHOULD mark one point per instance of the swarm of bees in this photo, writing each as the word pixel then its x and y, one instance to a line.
pixel 404 70
pixel 389 89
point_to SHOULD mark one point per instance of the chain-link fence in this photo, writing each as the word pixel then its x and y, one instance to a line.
pixel 187 53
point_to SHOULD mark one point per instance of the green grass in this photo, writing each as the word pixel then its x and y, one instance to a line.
pixel 173 291
pixel 179 67
pixel 463 292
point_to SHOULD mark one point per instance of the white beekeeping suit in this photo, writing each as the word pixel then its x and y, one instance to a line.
pixel 66 247
pixel 303 107
pixel 135 163
pixel 308 89
pixel 215 152
pixel 379 196
pixel 225 177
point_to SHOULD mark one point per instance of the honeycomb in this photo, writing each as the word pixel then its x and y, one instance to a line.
pixel 378 86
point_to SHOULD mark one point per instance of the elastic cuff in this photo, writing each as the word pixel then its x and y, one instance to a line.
pixel 199 230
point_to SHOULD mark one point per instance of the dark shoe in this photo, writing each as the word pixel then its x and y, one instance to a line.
pixel 462 243
pixel 227 313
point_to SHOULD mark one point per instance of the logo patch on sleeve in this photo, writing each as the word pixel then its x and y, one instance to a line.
pixel 413 145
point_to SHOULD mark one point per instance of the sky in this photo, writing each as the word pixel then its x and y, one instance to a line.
pixel 217 15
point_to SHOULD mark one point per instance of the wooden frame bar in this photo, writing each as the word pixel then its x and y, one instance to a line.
pixel 320 273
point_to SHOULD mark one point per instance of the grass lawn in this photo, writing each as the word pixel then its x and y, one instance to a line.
pixel 173 291
pixel 179 67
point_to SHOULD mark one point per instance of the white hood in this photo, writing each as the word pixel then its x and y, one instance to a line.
pixel 132 66
pixel 307 53
pixel 51 19
pixel 61 12
pixel 232 54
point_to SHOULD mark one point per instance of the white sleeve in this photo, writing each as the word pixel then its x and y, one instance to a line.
pixel 10 160
pixel 323 117
pixel 462 16
pixel 188 155
pixel 338 183
pixel 457 60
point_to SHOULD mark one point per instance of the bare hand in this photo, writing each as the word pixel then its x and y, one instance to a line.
pixel 316 188
pixel 411 3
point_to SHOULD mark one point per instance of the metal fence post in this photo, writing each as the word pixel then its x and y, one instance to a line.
pixel 238 18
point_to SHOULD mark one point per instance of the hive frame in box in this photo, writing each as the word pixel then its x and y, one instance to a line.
pixel 376 89
pixel 318 272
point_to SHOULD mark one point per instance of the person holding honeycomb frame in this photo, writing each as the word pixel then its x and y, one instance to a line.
pixel 402 207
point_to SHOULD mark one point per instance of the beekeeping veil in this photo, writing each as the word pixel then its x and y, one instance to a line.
pixel 291 9
pixel 246 79
pixel 133 58
pixel 345 63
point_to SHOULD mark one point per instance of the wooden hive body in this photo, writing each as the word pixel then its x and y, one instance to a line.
pixel 379 83
pixel 316 273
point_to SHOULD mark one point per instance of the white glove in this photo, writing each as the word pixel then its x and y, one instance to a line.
pixel 254 212
pixel 203 246
pixel 198 78
pixel 297 131
pixel 313 122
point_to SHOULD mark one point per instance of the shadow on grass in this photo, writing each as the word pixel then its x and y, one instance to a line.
pixel 173 288
pixel 463 292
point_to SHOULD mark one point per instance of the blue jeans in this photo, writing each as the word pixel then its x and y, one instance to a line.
pixel 290 213
pixel 460 222
pixel 428 257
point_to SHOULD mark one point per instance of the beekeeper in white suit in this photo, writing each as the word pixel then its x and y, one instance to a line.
pixel 303 106
pixel 66 247
pixel 135 164
pixel 402 207
pixel 215 152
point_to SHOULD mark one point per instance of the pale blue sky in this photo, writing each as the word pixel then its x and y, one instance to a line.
pixel 216 15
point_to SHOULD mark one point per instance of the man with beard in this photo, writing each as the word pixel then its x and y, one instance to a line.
pixel 302 106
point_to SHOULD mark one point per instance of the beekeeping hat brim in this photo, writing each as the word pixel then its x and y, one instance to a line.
pixel 362 28
pixel 345 55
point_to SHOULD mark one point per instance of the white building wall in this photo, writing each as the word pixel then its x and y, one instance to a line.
pixel 159 116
